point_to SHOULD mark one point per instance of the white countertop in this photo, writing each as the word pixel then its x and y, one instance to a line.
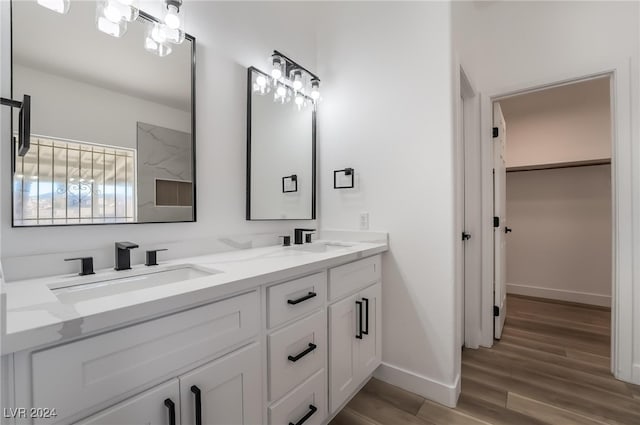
pixel 35 316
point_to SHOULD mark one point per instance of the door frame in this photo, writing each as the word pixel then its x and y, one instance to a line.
pixel 625 197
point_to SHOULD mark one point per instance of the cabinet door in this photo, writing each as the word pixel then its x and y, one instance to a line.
pixel 148 408
pixel 370 347
pixel 343 367
pixel 230 390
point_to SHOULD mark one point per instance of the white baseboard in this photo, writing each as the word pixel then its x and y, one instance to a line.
pixel 418 384
pixel 559 294
pixel 636 374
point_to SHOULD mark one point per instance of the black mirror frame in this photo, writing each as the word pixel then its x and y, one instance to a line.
pixel 250 71
pixel 188 37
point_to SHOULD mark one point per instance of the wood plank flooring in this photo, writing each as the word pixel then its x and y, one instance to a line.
pixel 550 367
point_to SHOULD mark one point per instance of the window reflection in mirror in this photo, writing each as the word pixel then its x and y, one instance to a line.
pixel 109 119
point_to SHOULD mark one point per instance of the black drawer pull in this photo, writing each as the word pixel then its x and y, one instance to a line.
pixel 304 353
pixel 366 316
pixel 312 409
pixel 172 411
pixel 195 390
pixel 299 300
pixel 359 320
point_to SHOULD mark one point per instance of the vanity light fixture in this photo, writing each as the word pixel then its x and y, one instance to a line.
pixel 112 17
pixel 290 81
pixel 59 6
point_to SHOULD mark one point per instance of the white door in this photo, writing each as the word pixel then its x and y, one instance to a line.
pixel 224 391
pixel 343 356
pixel 158 406
pixel 370 347
pixel 500 220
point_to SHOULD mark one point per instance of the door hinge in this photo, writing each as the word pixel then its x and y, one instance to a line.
pixel 496 311
pixel 496 221
pixel 495 132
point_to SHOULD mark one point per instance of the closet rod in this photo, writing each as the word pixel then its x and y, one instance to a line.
pixel 559 166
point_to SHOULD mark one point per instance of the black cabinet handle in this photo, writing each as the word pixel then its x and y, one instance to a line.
pixel 304 353
pixel 195 390
pixel 312 409
pixel 172 411
pixel 299 300
pixel 359 320
pixel 366 316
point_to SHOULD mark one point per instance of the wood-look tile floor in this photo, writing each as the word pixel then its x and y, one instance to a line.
pixel 550 367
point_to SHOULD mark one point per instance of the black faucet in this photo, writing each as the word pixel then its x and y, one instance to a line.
pixel 87 265
pixel 123 257
pixel 297 235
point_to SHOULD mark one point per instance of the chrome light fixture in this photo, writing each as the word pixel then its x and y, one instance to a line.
pixel 59 6
pixel 112 16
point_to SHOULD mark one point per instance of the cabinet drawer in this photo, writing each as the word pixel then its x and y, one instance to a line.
pixel 146 408
pixel 308 400
pixel 78 375
pixel 292 356
pixel 351 277
pixel 292 299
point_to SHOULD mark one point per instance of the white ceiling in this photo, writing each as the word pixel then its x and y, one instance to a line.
pixel 71 46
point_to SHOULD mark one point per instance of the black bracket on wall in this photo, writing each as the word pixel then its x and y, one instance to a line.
pixel 347 172
pixel 24 126
pixel 293 178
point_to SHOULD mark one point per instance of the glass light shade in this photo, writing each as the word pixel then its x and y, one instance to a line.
pixel 299 100
pixel 276 67
pixel 261 84
pixel 156 40
pixel 296 78
pixel 175 36
pixel 114 29
pixel 281 94
pixel 315 90
pixel 160 49
pixel 128 9
pixel 172 17
pixel 59 6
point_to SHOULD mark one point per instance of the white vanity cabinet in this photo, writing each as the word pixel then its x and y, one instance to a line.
pixel 354 329
pixel 221 392
pixel 157 406
pixel 225 391
pixel 279 353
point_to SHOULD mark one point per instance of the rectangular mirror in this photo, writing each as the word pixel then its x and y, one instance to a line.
pixel 281 155
pixel 112 124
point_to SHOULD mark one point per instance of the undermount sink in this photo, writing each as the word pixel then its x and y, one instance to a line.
pixel 102 287
pixel 321 246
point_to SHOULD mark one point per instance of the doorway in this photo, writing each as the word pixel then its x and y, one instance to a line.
pixel 479 313
pixel 552 185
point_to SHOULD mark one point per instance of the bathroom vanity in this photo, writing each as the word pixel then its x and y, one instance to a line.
pixel 275 335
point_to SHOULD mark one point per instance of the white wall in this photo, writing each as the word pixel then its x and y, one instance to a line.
pixel 506 45
pixel 387 112
pixel 560 247
pixel 75 110
pixel 562 124
pixel 230 37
